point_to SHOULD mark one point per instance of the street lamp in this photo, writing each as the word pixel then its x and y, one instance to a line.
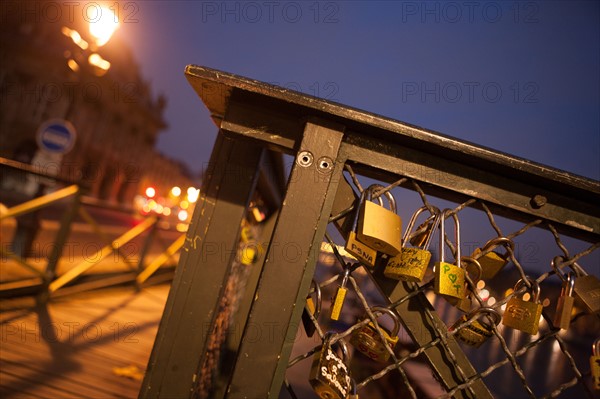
pixel 103 26
pixel 101 29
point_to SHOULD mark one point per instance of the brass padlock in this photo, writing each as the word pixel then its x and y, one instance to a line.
pixel 361 251
pixel 418 238
pixel 587 287
pixel 411 263
pixel 492 262
pixel 524 315
pixel 378 227
pixel 595 364
pixel 367 340
pixel 466 302
pixel 329 375
pixel 476 333
pixel 312 308
pixel 449 279
pixel 564 307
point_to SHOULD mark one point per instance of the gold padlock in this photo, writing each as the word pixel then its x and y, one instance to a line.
pixel 411 263
pixel 466 302
pixel 361 251
pixel 449 279
pixel 367 340
pixel 595 364
pixel 492 262
pixel 524 315
pixel 330 375
pixel 587 287
pixel 566 301
pixel 476 333
pixel 378 227
pixel 312 308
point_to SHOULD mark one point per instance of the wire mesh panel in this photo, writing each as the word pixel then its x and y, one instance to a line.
pixel 553 362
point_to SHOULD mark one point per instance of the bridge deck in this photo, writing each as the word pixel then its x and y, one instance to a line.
pixel 93 345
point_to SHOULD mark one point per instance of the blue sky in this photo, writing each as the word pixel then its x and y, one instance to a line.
pixel 519 77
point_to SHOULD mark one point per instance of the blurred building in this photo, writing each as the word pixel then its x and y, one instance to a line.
pixel 51 67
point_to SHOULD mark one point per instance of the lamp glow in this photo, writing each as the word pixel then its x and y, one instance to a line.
pixel 103 24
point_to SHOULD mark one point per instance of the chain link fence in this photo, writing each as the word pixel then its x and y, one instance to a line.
pixel 551 363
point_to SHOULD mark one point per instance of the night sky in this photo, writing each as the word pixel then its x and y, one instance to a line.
pixel 521 78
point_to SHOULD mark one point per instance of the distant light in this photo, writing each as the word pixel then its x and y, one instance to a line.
pixel 184 204
pixel 480 284
pixel 491 301
pixel 150 192
pixel 546 303
pixel 166 211
pixel 97 60
pixel 484 294
pixel 182 227
pixel 159 208
pixel 103 23
pixel 152 204
pixel 182 215
pixel 146 208
pixel 75 36
pixel 193 193
pixel 176 191
pixel 73 65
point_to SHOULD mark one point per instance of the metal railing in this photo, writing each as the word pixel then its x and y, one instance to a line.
pixel 47 280
pixel 208 344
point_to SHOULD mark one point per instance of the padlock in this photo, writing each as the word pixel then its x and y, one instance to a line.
pixel 595 364
pixel 449 279
pixel 367 340
pixel 524 315
pixel 466 302
pixel 564 307
pixel 378 227
pixel 340 294
pixel 329 374
pixel 411 263
pixel 491 262
pixel 587 287
pixel 312 308
pixel 476 333
pixel 361 251
pixel 418 238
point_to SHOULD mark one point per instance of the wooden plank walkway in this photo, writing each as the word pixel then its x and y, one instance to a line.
pixel 92 345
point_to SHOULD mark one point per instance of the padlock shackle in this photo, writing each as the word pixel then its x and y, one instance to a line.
pixel 579 271
pixel 319 298
pixel 569 285
pixel 378 187
pixel 486 310
pixel 393 315
pixel 498 241
pixel 341 343
pixel 411 223
pixel 535 288
pixel 445 215
pixel 475 262
pixel 413 219
pixel 361 199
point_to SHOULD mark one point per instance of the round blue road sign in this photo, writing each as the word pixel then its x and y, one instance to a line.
pixel 56 135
